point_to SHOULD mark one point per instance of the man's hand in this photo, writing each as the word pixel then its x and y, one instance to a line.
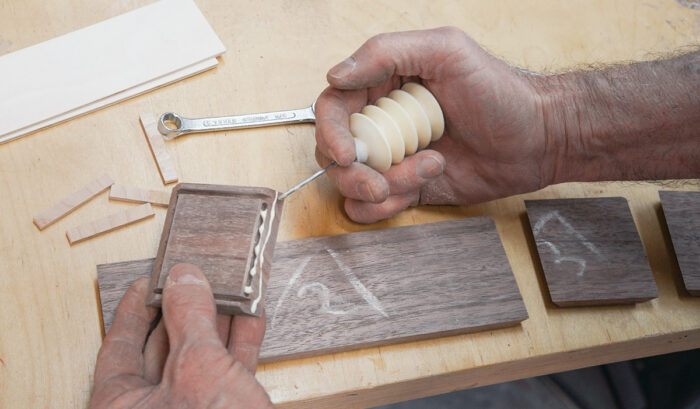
pixel 508 132
pixel 494 144
pixel 185 363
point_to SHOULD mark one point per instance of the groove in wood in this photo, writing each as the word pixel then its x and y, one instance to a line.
pixel 229 232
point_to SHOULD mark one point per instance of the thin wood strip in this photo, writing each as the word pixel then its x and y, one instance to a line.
pixel 137 195
pixel 72 201
pixel 178 75
pixel 124 51
pixel 109 223
pixel 160 153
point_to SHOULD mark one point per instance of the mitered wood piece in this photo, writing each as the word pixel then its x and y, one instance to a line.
pixel 137 195
pixel 109 223
pixel 72 201
pixel 682 213
pixel 378 287
pixel 160 153
pixel 229 232
pixel 590 251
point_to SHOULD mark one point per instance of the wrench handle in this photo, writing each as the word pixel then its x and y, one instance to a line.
pixel 172 125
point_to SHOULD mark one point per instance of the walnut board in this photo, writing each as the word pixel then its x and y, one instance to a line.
pixel 590 251
pixel 221 229
pixel 682 213
pixel 378 287
pixel 49 319
pixel 113 280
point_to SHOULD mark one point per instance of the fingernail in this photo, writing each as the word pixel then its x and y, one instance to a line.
pixel 364 191
pixel 343 69
pixel 332 155
pixel 429 167
pixel 183 274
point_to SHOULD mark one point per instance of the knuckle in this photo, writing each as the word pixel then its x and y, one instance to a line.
pixel 378 41
pixel 195 358
pixel 451 31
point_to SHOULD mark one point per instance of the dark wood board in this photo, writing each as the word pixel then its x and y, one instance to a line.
pixel 219 229
pixel 590 251
pixel 682 214
pixel 379 287
pixel 350 291
pixel 113 280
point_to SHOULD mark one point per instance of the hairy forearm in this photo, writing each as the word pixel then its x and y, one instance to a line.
pixel 640 121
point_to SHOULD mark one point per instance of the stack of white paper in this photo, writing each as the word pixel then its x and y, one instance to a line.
pixel 103 64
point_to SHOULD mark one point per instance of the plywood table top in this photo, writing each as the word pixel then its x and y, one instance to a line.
pixel 278 54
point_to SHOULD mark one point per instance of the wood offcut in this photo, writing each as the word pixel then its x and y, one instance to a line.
pixel 160 153
pixel 136 195
pixel 350 291
pixel 109 223
pixel 72 201
pixel 229 232
pixel 682 213
pixel 590 251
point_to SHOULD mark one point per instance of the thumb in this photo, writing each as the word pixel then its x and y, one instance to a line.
pixel 408 53
pixel 189 311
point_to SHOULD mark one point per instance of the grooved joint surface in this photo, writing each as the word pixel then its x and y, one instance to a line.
pixel 218 228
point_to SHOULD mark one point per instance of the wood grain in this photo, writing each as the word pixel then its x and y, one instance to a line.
pixel 590 251
pixel 682 213
pixel 49 312
pixel 109 223
pixel 113 280
pixel 72 201
pixel 229 232
pixel 137 195
pixel 158 149
pixel 378 287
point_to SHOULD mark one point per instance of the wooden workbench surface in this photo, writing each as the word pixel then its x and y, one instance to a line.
pixel 278 54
